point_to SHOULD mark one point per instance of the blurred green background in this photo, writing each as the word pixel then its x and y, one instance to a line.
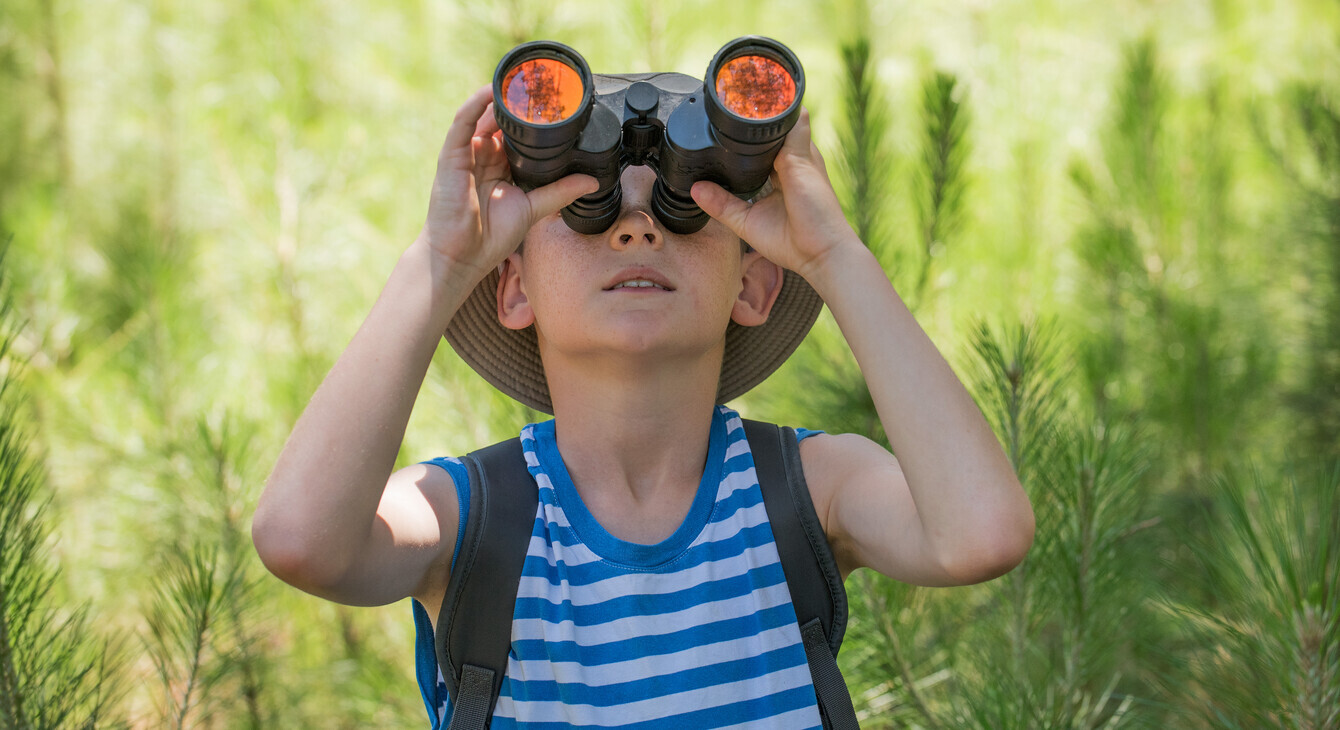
pixel 1120 221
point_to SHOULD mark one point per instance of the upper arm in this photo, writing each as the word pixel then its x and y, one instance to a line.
pixel 867 511
pixel 409 545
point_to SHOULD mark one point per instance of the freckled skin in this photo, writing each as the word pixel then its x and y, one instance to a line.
pixel 564 278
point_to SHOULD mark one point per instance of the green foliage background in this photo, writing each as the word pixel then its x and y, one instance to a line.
pixel 1119 220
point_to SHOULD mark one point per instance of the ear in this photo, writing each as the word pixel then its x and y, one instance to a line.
pixel 762 282
pixel 514 310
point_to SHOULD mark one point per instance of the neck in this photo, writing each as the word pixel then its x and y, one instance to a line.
pixel 636 427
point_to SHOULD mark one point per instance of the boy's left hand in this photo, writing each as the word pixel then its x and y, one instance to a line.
pixel 797 225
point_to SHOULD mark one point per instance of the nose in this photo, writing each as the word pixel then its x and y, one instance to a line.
pixel 634 227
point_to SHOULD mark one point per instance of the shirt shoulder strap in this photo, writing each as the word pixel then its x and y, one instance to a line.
pixel 811 571
pixel 475 623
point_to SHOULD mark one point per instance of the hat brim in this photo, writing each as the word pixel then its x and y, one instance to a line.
pixel 509 359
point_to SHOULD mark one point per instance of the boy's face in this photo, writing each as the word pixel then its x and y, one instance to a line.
pixel 636 288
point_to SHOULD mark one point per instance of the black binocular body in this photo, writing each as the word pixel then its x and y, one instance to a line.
pixel 557 119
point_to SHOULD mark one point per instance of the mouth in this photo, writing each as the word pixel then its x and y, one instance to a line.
pixel 637 284
pixel 639 280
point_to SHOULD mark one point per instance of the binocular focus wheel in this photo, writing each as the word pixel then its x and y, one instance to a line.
pixel 588 215
pixel 679 214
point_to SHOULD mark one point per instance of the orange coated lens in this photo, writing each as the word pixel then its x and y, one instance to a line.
pixel 755 87
pixel 542 91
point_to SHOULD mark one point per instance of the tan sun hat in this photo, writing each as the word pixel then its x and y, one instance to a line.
pixel 510 359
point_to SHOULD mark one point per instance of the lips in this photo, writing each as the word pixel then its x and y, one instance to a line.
pixel 639 279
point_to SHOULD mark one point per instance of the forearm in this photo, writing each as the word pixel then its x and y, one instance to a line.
pixel 972 510
pixel 321 499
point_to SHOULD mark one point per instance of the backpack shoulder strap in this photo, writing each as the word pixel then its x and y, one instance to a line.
pixel 811 571
pixel 473 653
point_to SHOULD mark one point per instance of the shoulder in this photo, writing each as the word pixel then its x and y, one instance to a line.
pixel 853 479
pixel 433 495
pixel 831 460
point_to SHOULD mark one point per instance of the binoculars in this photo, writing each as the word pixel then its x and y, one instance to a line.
pixel 557 118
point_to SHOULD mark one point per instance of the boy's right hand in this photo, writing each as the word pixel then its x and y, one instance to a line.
pixel 476 215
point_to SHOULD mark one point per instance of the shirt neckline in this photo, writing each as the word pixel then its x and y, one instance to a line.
pixel 590 532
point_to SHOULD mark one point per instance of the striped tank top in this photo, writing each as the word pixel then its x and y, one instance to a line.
pixel 696 631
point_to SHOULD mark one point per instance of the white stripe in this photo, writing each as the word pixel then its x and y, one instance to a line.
pixel 578 554
pixel 805 717
pixel 736 481
pixel 733 421
pixel 543 481
pixel 655 708
pixel 659 665
pixel 631 627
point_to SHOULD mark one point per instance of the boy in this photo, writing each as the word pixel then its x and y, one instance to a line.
pixel 630 326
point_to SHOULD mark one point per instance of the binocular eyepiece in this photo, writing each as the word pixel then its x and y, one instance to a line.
pixel 557 119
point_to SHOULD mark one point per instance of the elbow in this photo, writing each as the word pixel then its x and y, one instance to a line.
pixel 288 551
pixel 993 550
pixel 279 551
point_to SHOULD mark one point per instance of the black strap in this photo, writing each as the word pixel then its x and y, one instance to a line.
pixel 474 699
pixel 817 592
pixel 834 700
pixel 473 653
pixel 802 545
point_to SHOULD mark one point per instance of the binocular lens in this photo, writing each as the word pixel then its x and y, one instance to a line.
pixel 755 87
pixel 542 91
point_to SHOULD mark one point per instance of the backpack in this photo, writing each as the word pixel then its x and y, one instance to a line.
pixel 503 498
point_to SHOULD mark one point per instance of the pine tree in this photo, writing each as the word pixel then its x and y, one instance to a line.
pixel 55 669
pixel 1268 648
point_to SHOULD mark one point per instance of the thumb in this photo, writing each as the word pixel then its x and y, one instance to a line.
pixel 721 205
pixel 548 199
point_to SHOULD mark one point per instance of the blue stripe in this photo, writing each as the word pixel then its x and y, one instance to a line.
pixel 733 670
pixel 740 499
pixel 741 462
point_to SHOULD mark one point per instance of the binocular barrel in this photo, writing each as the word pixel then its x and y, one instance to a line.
pixel 557 119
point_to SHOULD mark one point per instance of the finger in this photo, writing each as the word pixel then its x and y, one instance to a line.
pixel 488 124
pixel 463 125
pixel 547 200
pixel 798 139
pixel 721 205
pixel 490 160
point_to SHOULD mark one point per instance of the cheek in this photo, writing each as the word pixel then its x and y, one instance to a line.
pixel 549 228
pixel 719 276
pixel 551 275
